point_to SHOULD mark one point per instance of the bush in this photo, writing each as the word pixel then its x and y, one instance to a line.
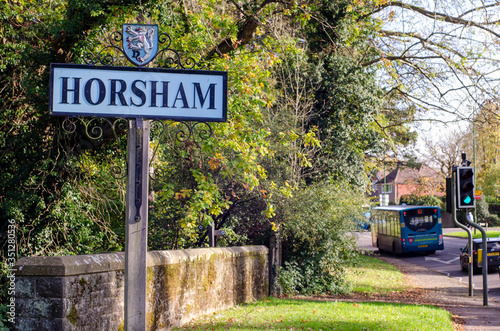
pixel 494 208
pixel 312 278
pixel 317 245
pixel 291 278
pixel 421 200
pixel 484 215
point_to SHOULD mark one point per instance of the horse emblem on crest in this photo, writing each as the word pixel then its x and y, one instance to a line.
pixel 140 43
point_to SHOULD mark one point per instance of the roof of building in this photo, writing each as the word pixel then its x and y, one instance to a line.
pixel 402 173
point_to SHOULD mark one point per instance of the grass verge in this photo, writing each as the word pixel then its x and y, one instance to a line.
pixel 369 276
pixel 291 314
pixel 463 234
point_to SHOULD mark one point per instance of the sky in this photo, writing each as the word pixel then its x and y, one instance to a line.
pixel 437 51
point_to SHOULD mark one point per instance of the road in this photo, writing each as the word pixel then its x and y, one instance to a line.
pixel 445 261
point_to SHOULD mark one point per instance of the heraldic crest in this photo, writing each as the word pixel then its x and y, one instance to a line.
pixel 140 43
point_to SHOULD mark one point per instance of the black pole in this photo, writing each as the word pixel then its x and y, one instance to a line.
pixel 211 236
pixel 469 233
pixel 484 253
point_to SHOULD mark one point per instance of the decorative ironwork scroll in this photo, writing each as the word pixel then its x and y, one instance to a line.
pixel 170 57
pixel 96 127
pixel 182 131
pixel 97 130
pixel 178 132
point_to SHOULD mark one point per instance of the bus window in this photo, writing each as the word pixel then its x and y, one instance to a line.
pixel 416 221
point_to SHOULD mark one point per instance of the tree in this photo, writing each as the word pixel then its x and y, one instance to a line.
pixel 440 59
pixel 484 133
pixel 446 152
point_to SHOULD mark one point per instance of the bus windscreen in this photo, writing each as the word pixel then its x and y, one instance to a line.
pixel 420 220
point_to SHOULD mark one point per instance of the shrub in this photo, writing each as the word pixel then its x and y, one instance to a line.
pixel 421 200
pixel 317 244
pixel 484 215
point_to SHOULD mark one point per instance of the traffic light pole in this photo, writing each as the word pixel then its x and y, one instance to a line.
pixel 484 252
pixel 460 225
pixel 463 179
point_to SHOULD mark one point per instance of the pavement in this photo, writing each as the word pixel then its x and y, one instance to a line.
pixel 437 289
pixel 440 290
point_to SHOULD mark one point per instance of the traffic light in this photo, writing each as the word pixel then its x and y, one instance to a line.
pixel 465 187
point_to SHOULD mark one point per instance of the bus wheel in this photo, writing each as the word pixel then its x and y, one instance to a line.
pixel 394 249
pixel 430 252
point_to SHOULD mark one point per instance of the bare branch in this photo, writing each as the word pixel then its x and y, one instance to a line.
pixel 441 16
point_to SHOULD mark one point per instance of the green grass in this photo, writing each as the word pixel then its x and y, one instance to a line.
pixel 288 314
pixel 463 234
pixel 369 276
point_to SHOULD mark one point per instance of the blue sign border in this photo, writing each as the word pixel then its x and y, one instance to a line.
pixel 223 74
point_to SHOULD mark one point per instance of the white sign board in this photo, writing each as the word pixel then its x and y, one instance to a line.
pixel 128 92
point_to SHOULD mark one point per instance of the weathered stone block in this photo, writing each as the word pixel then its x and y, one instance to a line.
pixel 51 287
pixel 38 324
pixel 39 308
pixel 25 287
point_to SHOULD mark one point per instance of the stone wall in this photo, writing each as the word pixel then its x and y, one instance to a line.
pixel 86 292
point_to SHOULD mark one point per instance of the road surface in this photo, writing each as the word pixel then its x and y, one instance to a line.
pixel 446 262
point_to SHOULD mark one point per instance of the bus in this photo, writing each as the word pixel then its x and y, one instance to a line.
pixel 405 229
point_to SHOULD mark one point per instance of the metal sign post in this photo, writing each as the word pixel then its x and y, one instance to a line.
pixel 136 227
pixel 212 235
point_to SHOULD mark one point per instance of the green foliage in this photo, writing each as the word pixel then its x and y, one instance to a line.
pixel 310 279
pixel 421 200
pixel 483 213
pixel 291 278
pixel 317 245
pixel 347 101
pixel 489 181
pixel 493 207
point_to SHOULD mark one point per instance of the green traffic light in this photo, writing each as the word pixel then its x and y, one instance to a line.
pixel 465 187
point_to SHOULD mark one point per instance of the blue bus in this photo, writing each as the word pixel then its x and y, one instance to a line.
pixel 404 229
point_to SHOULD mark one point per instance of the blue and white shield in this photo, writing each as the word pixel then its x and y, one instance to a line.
pixel 140 43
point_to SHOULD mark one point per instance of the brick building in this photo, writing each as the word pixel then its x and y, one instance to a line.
pixel 402 179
